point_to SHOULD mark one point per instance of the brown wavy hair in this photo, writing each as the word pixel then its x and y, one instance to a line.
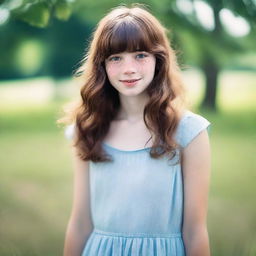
pixel 127 29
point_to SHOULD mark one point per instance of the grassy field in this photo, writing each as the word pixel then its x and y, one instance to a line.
pixel 36 177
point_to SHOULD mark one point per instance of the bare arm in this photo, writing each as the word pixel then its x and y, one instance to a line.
pixel 196 173
pixel 80 224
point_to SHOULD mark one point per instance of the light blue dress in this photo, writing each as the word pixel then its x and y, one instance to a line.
pixel 137 201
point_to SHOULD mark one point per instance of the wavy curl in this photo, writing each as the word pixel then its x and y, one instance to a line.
pixel 127 29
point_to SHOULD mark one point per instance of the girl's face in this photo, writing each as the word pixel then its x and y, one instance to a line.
pixel 130 73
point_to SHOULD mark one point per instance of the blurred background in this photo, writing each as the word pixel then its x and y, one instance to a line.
pixel 41 45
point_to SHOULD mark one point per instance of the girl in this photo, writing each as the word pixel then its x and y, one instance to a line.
pixel 142 161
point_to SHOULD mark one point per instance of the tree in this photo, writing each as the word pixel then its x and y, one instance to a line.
pixel 36 12
pixel 42 22
pixel 213 46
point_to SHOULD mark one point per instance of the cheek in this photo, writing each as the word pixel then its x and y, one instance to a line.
pixel 111 71
pixel 149 66
pixel 153 67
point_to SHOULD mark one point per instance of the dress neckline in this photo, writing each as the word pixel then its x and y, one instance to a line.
pixel 124 150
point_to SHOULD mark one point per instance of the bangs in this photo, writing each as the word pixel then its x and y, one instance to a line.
pixel 127 36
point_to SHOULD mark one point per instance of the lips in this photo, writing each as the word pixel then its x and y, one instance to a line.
pixel 130 80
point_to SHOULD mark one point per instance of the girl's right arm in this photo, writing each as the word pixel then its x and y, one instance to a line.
pixel 80 224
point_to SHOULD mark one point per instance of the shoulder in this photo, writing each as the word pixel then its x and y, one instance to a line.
pixel 190 125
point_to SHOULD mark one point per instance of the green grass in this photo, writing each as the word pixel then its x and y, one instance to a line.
pixel 232 209
pixel 36 179
pixel 35 185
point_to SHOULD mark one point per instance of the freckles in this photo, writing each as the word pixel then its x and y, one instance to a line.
pixel 147 65
pixel 110 70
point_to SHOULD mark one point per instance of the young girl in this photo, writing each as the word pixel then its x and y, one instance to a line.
pixel 142 161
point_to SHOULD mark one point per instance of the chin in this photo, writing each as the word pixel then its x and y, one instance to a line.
pixel 130 91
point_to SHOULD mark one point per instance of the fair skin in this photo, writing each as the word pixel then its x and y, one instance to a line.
pixel 80 223
pixel 121 69
pixel 136 66
pixel 196 175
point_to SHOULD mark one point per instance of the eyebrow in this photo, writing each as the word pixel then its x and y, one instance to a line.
pixel 138 50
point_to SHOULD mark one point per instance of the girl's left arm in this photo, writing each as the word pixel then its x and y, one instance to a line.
pixel 196 162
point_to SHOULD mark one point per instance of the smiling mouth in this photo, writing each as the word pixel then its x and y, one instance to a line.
pixel 130 83
pixel 130 80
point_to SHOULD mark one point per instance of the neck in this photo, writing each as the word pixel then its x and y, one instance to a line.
pixel 132 107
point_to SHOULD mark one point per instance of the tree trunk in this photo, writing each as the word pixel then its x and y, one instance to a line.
pixel 211 71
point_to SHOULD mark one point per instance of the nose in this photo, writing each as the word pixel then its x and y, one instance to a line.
pixel 129 66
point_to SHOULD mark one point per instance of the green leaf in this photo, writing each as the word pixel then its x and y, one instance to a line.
pixel 62 10
pixel 36 14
